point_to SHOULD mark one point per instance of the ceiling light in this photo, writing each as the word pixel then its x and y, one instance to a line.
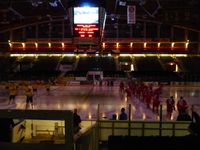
pixel 122 3
pixel 54 3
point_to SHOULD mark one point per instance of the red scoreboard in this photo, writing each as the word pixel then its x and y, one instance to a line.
pixel 84 30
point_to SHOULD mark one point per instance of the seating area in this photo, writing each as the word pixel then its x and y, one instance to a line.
pixel 6 66
pixel 148 64
pixel 31 68
pixel 96 64
pixel 145 68
pixel 190 64
pixel 124 59
pixel 68 60
pixel 168 63
pixel 155 69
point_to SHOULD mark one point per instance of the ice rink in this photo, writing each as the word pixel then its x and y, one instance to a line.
pixel 89 99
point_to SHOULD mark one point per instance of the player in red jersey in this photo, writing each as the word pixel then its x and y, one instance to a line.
pixel 170 107
pixel 182 105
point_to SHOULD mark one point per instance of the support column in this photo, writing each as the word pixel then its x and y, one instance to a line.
pixel 24 34
pixel 50 29
pixel 145 30
pixel 185 34
pixel 63 30
pixel 36 32
pixel 199 44
pixel 131 31
pixel 11 35
pixel 172 34
pixel 69 143
pixel 186 38
pixel 116 25
pixel 158 31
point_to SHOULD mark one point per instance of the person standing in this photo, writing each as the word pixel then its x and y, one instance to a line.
pixel 76 121
pixel 123 115
pixel 184 116
pixel 34 87
pixel 13 93
pixel 114 117
pixel 48 88
pixel 121 87
pixel 29 97
pixel 128 93
pixel 156 103
pixel 194 126
pixel 182 105
pixel 6 125
pixel 170 107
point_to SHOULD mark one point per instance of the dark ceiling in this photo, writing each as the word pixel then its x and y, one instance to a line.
pixel 15 11
pixel 33 8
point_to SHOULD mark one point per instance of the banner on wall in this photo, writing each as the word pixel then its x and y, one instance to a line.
pixel 131 14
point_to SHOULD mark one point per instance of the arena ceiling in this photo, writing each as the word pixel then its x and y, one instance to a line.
pixel 37 9
pixel 20 11
pixel 18 20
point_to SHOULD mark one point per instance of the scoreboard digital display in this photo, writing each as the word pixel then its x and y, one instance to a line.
pixel 86 22
pixel 86 15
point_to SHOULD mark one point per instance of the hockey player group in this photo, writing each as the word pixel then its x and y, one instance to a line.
pixel 151 96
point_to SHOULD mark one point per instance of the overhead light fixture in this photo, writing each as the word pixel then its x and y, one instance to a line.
pixel 122 2
pixel 36 3
pixel 113 17
pixel 142 2
pixel 54 3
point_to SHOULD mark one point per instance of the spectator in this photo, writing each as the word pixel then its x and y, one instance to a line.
pixel 195 115
pixel 194 126
pixel 184 116
pixel 114 117
pixel 194 129
pixel 123 115
pixel 77 121
pixel 6 125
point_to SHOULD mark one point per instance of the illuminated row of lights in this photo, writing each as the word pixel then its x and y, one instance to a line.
pixel 36 45
pixel 153 55
pixel 121 55
pixel 145 45
pixel 103 45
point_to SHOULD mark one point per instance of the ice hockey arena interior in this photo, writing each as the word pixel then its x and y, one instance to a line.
pixel 99 74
